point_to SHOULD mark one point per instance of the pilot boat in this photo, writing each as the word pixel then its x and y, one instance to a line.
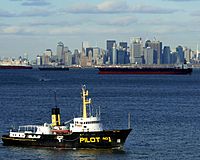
pixel 85 131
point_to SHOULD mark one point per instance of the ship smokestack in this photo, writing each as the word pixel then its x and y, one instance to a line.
pixel 55 116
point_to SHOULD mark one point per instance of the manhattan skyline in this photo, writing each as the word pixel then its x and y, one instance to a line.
pixel 31 26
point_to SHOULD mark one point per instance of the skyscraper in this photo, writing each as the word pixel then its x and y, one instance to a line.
pixel 180 54
pixel 136 51
pixel 60 52
pixel 157 48
pixel 123 45
pixel 109 47
pixel 114 54
pixel 166 55
pixel 148 55
pixel 188 54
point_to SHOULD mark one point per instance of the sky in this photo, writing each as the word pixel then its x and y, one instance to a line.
pixel 32 26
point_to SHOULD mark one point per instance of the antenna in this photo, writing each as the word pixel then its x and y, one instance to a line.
pixel 129 120
pixel 197 56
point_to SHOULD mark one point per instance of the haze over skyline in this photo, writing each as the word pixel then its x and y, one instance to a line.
pixel 31 26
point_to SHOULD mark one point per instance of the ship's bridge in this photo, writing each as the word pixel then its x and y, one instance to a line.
pixel 90 124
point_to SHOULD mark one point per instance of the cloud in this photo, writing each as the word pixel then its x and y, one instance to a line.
pixel 195 13
pixel 55 23
pixel 35 3
pixel 181 0
pixel 16 0
pixel 32 2
pixel 7 14
pixel 16 30
pixel 122 21
pixel 36 13
pixel 152 9
pixel 112 7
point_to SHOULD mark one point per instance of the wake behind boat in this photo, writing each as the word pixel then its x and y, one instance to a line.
pixel 81 132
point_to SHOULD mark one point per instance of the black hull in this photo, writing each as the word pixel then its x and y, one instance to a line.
pixel 129 70
pixel 102 139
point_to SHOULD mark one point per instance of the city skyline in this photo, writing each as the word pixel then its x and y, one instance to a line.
pixel 31 26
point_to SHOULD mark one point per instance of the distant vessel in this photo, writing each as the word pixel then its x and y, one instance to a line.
pixel 53 68
pixel 15 67
pixel 81 132
pixel 144 70
pixel 14 64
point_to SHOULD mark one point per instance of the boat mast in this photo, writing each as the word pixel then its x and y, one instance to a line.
pixel 197 55
pixel 129 120
pixel 86 101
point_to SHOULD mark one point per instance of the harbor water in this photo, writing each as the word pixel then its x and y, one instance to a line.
pixel 165 111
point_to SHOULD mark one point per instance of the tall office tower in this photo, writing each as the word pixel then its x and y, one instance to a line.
pixel 188 54
pixel 76 57
pixel 148 56
pixel 39 60
pixel 157 48
pixel 109 47
pixel 136 51
pixel 48 52
pixel 123 45
pixel 60 52
pixel 96 54
pixel 180 54
pixel 85 44
pixel 121 56
pixel 89 52
pixel 147 43
pixel 114 54
pixel 68 58
pixel 166 55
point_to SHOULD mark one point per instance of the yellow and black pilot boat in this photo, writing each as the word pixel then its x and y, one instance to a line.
pixel 81 132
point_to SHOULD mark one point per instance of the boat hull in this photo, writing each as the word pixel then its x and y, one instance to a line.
pixel 114 70
pixel 15 67
pixel 101 139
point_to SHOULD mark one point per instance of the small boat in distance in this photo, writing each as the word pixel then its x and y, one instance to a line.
pixel 85 131
pixel 53 68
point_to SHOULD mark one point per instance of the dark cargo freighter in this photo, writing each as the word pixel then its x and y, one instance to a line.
pixel 144 70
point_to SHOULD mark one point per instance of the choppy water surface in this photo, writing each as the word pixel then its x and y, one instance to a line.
pixel 165 111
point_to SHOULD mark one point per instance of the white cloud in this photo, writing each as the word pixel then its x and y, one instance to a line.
pixel 119 21
pixel 112 6
pixel 117 7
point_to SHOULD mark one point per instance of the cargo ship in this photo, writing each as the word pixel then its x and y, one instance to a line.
pixel 85 131
pixel 144 70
